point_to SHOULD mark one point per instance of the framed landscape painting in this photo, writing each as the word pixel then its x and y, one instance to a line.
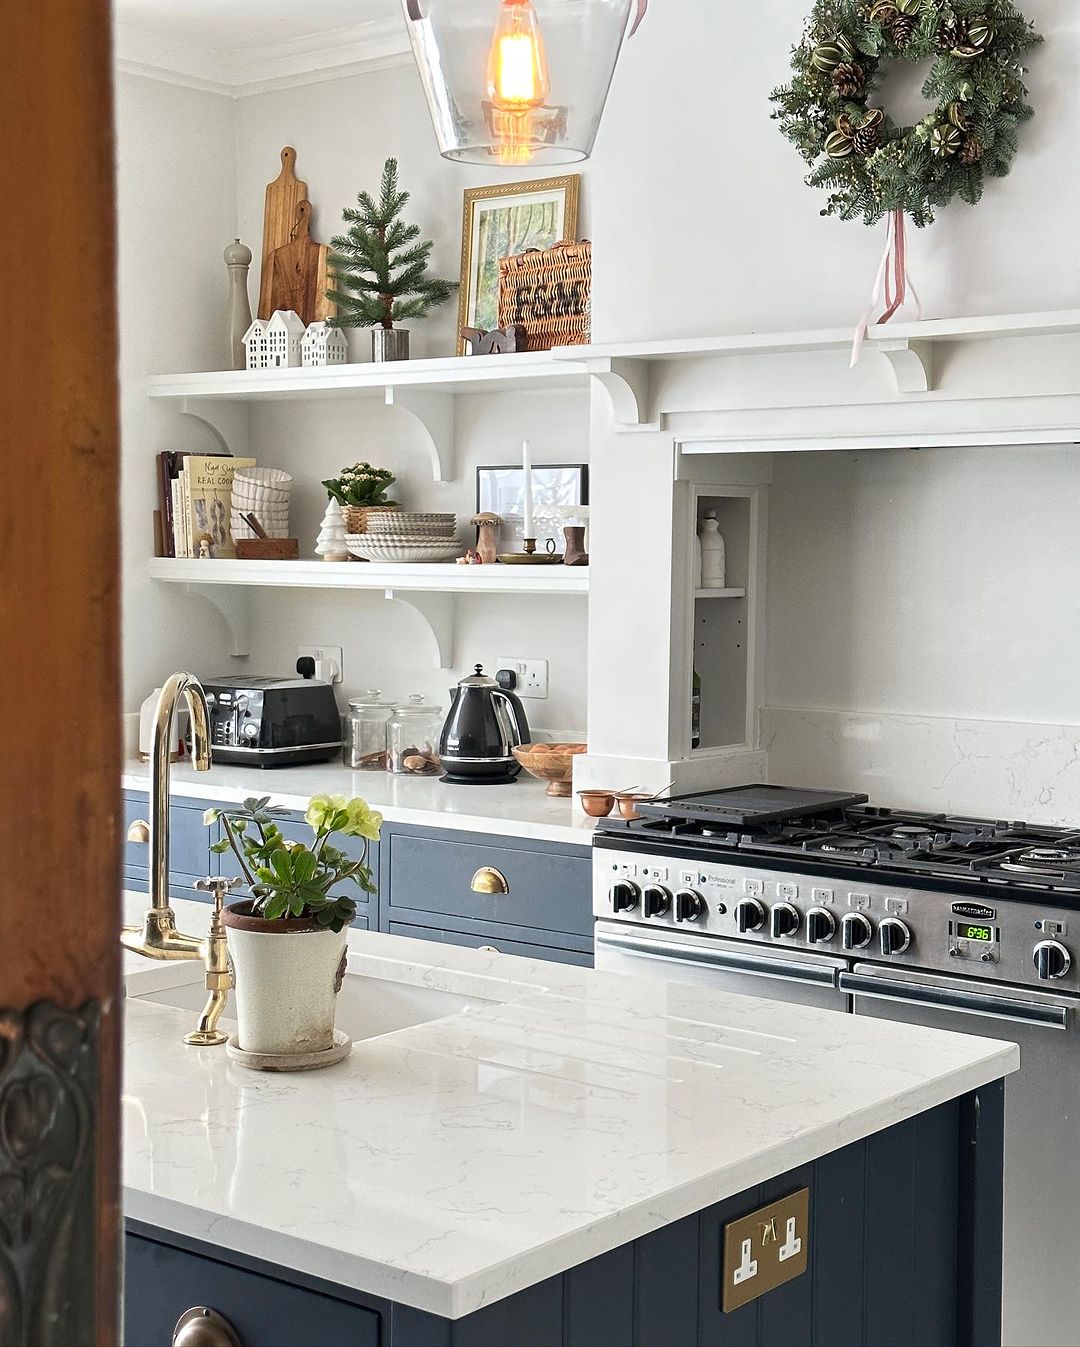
pixel 503 221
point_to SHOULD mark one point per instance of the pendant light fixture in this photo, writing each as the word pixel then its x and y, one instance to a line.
pixel 518 82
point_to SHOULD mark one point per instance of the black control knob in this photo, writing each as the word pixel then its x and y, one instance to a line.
pixel 785 920
pixel 655 901
pixel 856 931
pixel 689 905
pixel 749 915
pixel 624 896
pixel 894 935
pixel 1052 960
pixel 820 925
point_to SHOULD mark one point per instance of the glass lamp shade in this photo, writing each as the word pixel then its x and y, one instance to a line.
pixel 516 82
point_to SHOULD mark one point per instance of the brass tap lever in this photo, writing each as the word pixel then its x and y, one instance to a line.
pixel 219 977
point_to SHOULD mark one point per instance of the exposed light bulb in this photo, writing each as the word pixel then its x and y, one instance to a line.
pixel 517 79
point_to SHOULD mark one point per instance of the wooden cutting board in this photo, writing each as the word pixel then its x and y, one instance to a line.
pixel 283 196
pixel 298 278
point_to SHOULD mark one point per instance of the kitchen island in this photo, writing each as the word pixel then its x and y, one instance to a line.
pixel 550 1155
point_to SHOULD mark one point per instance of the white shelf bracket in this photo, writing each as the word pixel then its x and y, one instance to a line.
pixel 434 414
pixel 234 605
pixel 626 382
pixel 437 610
pixel 223 436
pixel 912 363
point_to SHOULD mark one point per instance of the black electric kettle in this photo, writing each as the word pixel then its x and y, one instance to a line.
pixel 484 726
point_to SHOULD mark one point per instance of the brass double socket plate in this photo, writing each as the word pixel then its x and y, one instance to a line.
pixel 766 1249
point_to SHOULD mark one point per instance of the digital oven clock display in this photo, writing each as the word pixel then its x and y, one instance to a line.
pixel 964 931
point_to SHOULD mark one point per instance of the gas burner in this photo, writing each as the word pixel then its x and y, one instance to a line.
pixel 1042 860
pixel 907 834
pixel 842 845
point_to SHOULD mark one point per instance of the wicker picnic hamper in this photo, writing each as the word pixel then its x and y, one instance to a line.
pixel 548 293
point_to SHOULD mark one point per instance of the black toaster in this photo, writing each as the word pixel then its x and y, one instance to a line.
pixel 272 722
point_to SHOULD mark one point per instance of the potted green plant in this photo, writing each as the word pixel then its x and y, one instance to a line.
pixel 359 491
pixel 380 271
pixel 287 940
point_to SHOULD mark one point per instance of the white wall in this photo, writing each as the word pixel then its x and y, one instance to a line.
pixel 176 184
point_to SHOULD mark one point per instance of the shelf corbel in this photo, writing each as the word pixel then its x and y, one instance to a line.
pixel 911 361
pixel 434 413
pixel 437 610
pixel 626 382
pixel 225 423
pixel 234 605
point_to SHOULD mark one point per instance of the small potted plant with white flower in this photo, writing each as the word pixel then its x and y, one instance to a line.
pixel 287 941
pixel 360 491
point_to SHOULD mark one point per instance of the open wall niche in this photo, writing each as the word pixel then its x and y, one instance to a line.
pixel 726 622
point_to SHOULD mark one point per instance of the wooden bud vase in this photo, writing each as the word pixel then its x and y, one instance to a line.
pixel 574 553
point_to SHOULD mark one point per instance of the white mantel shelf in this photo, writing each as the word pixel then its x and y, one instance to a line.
pixel 431 589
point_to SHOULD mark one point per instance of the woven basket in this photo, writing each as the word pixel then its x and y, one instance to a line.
pixel 549 294
pixel 356 516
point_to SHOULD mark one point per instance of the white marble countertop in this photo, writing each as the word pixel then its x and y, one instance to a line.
pixel 521 810
pixel 456 1162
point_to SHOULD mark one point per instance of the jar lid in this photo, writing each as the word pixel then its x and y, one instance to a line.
pixel 371 700
pixel 417 706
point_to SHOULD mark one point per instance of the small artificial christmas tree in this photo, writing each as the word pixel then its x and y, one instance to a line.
pixel 330 544
pixel 379 267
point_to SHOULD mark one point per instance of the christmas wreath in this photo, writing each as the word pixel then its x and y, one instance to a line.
pixel 869 164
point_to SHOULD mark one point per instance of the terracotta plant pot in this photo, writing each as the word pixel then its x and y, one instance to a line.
pixel 288 974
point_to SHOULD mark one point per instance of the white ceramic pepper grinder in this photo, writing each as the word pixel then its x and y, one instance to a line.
pixel 238 259
pixel 713 554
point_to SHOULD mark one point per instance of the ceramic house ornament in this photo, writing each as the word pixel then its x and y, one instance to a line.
pixel 330 544
pixel 256 345
pixel 713 554
pixel 323 345
pixel 284 333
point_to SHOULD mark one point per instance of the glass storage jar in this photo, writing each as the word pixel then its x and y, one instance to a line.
pixel 365 742
pixel 412 738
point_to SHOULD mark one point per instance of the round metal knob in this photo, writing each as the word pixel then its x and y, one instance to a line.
pixel 786 920
pixel 749 915
pixel 203 1327
pixel 820 925
pixel 895 936
pixel 689 905
pixel 1052 960
pixel 655 901
pixel 856 931
pixel 624 897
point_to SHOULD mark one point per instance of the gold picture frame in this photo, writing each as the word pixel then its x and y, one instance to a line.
pixel 502 221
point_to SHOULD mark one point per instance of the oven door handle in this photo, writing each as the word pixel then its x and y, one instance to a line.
pixel 734 962
pixel 946 998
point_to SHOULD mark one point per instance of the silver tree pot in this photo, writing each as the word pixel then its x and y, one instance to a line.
pixel 389 343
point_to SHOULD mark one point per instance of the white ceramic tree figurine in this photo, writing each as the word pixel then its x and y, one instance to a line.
pixel 330 544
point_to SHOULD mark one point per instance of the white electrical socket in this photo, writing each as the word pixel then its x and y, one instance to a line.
pixel 532 675
pixel 325 653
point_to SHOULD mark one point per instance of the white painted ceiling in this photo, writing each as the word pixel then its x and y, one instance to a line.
pixel 233 25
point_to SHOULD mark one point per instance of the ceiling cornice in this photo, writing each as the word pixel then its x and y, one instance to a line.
pixel 263 66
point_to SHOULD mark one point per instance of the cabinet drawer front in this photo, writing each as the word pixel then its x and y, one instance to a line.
pixel 190 858
pixel 295 829
pixel 526 951
pixel 161 1282
pixel 549 891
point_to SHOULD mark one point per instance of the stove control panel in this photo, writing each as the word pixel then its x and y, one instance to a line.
pixel 1009 941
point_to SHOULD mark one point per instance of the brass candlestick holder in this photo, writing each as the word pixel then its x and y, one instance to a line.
pixel 531 557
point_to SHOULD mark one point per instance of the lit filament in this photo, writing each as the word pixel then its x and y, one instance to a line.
pixel 517 80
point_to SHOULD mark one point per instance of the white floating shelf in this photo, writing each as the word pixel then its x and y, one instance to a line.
pixel 430 589
pixel 720 594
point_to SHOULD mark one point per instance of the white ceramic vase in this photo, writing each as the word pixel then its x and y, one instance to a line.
pixel 713 554
pixel 288 974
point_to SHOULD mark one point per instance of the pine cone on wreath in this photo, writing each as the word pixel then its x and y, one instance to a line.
pixel 903 29
pixel 952 35
pixel 866 140
pixel 848 79
pixel 971 151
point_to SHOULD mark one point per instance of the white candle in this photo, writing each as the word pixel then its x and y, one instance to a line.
pixel 526 463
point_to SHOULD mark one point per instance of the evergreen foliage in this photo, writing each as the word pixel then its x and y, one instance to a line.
pixel 866 162
pixel 379 269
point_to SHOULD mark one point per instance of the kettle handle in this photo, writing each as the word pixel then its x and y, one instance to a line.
pixel 519 719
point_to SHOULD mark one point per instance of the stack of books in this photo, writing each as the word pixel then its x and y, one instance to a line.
pixel 195 493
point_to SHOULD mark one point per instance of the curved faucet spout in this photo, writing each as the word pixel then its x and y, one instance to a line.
pixel 188 687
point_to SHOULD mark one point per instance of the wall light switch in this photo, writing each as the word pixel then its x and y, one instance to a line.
pixel 532 675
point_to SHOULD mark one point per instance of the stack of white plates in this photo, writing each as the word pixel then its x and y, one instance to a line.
pixel 400 535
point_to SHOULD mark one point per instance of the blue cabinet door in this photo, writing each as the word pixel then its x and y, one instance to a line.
pixel 190 857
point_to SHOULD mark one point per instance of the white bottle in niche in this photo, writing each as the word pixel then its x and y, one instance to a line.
pixel 713 554
pixel 697 561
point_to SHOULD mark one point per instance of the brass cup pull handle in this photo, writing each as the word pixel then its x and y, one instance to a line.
pixel 489 880
pixel 204 1327
pixel 139 832
pixel 488 949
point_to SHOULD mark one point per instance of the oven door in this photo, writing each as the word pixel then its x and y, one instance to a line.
pixel 1042 1130
pixel 722 965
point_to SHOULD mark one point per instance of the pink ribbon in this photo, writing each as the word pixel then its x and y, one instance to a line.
pixel 642 6
pixel 893 279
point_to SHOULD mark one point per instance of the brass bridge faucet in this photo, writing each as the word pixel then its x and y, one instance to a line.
pixel 157 937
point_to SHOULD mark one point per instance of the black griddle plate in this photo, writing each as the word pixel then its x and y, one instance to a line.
pixel 746 806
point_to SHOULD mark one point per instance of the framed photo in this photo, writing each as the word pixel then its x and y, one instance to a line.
pixel 559 491
pixel 503 221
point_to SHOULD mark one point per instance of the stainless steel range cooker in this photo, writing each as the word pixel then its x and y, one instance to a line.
pixel 970 925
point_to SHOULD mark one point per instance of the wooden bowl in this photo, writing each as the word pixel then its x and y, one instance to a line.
pixel 553 763
pixel 597 803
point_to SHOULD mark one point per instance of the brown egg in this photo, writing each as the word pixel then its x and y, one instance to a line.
pixel 542 748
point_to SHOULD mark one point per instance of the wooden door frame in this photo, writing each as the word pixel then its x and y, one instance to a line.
pixel 60 701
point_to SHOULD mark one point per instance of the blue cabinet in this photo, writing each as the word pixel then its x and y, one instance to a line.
pixel 429 882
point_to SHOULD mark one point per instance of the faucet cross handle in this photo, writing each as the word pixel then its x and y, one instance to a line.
pixel 219 886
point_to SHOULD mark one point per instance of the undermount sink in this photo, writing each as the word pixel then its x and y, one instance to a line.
pixel 367 1007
